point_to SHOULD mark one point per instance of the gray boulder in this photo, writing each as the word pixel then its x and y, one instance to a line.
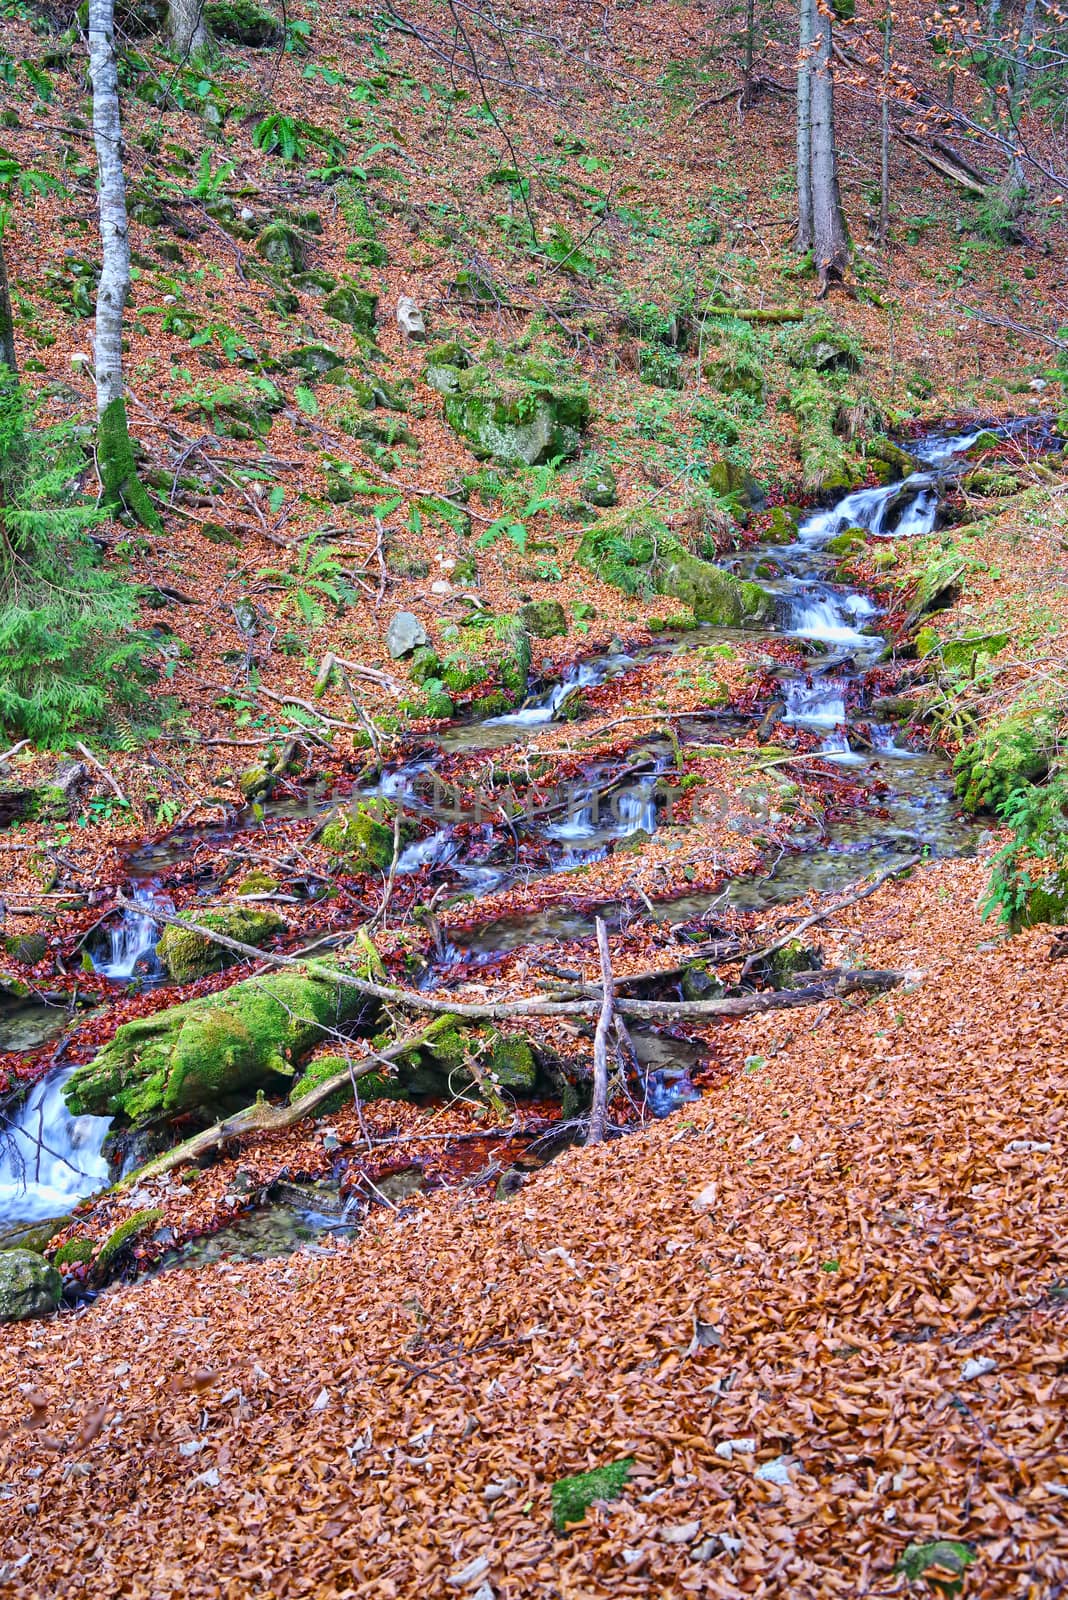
pixel 29 1286
pixel 405 634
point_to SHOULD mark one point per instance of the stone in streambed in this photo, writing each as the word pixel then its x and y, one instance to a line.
pixel 29 1286
pixel 545 619
pixel 188 955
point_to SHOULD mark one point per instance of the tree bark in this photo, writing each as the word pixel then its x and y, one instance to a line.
pixel 599 1108
pixel 188 30
pixel 118 476
pixel 830 241
pixel 805 236
pixel 884 133
pixel 7 320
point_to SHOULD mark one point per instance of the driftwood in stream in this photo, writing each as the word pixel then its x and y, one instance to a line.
pixel 839 982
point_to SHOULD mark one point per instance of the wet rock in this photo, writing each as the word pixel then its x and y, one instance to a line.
pixel 410 319
pixel 314 360
pixel 188 956
pixel 699 983
pixel 405 634
pixel 29 1286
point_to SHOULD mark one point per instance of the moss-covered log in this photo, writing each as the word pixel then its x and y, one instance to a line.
pixel 209 1053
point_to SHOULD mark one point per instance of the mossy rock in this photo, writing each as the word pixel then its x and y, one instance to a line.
pixel 314 360
pixel 961 657
pixel 30 1286
pixel 29 948
pixel 444 364
pixel 434 703
pixel 544 619
pixel 783 965
pixel 257 882
pixel 822 345
pixel 520 414
pixel 890 455
pixel 847 543
pixel 355 307
pixel 243 22
pixel 363 838
pixel 599 487
pixel 424 664
pixel 990 482
pixel 214 1052
pixel 742 377
pixel 660 367
pixel 573 1497
pixel 188 956
pixel 501 655
pixel 442 1063
pixel 1004 757
pixel 283 247
pixel 373 1086
pixel 713 595
pixel 74 1253
pixel 255 783
pixel 733 484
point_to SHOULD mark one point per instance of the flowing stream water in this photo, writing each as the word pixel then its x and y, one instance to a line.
pixel 49 1160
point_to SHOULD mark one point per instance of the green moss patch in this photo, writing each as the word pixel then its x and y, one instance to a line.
pixel 188 955
pixel 573 1497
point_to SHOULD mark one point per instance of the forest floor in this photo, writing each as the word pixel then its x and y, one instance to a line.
pixel 820 1310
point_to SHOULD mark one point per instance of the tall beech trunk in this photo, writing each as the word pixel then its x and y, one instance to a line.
pixel 830 240
pixel 115 462
pixel 804 239
pixel 188 30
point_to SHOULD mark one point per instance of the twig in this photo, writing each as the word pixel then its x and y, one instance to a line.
pixel 829 911
pixel 98 766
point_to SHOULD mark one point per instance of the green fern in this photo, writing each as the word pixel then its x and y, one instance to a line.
pixel 69 649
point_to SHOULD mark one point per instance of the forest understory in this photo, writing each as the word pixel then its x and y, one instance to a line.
pixel 533 813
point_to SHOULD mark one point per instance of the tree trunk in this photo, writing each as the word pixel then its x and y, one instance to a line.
pixel 188 30
pixel 830 241
pixel 747 70
pixel 804 125
pixel 7 320
pixel 1015 188
pixel 884 133
pixel 115 463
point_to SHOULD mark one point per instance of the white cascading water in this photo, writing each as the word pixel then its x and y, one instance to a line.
pixel 544 709
pixel 50 1160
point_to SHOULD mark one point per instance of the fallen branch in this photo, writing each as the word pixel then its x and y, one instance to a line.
pixel 840 981
pixel 99 767
pixel 372 674
pixel 264 1118
pixel 828 911
pixel 756 314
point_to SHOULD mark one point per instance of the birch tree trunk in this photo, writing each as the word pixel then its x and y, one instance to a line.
pixel 115 463
pixel 804 239
pixel 7 321
pixel 830 242
pixel 188 29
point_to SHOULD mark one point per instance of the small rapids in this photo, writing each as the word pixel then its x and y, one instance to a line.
pixel 50 1160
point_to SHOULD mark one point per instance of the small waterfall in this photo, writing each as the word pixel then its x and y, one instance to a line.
pixel 426 852
pixel 545 707
pixel 820 614
pixel 132 942
pixel 817 705
pixel 49 1160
